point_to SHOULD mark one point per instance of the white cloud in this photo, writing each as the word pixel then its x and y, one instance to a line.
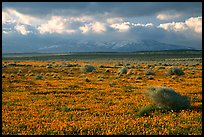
pixel 7 18
pixel 125 26
pixel 142 25
pixel 66 24
pixel 86 28
pixel 56 24
pixel 114 20
pixel 167 16
pixel 22 29
pixel 13 16
pixel 80 19
pixel 175 26
pixel 97 27
pixel 121 27
pixel 193 24
pixel 149 25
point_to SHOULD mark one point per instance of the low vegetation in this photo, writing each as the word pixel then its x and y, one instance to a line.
pixel 88 68
pixel 74 98
pixel 164 98
pixel 175 71
pixel 149 72
pixel 167 97
pixel 123 70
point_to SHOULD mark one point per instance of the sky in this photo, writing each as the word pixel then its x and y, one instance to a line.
pixel 35 23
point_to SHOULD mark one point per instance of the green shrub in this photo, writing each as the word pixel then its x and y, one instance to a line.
pixel 138 77
pixel 88 68
pixel 95 71
pixel 149 72
pixel 38 77
pixel 107 71
pixel 130 72
pixel 144 110
pixel 167 97
pixel 49 65
pixel 19 71
pixel 150 77
pixel 175 71
pixel 31 74
pixel 123 70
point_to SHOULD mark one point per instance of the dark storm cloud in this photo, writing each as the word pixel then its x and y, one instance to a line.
pixel 113 9
pixel 186 39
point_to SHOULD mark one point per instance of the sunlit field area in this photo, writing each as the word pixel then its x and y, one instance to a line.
pixel 99 93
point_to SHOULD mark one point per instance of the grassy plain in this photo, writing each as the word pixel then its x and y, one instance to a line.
pixel 62 99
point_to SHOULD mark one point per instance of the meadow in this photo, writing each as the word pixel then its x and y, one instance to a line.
pixel 53 94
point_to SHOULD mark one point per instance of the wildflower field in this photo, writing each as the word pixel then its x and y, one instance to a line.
pixel 60 97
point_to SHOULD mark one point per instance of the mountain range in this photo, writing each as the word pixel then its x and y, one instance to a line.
pixel 98 46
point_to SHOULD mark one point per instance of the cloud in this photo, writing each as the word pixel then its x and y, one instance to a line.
pixel 7 18
pixel 56 24
pixel 142 25
pixel 175 26
pixel 96 27
pixel 167 16
pixel 121 27
pixel 80 19
pixel 114 20
pixel 85 28
pixel 185 38
pixel 22 29
pixel 125 26
pixel 106 21
pixel 13 16
pixel 66 17
pixel 193 24
pixel 114 9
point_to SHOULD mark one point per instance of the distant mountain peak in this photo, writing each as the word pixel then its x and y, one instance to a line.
pixel 99 46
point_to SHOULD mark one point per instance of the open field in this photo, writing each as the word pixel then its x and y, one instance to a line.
pixel 106 57
pixel 53 95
